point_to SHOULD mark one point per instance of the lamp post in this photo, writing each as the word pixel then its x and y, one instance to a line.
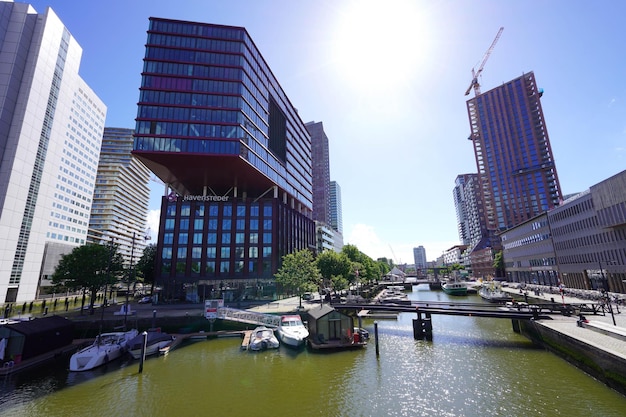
pixel 605 290
pixel 104 302
pixel 130 274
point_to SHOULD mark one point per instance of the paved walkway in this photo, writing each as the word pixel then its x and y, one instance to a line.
pixel 569 326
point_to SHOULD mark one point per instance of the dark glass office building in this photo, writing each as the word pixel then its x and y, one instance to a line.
pixel 516 167
pixel 216 127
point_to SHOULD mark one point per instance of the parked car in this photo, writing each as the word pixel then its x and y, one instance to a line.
pixel 145 300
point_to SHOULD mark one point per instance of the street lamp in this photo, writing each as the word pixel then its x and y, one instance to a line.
pixel 605 290
pixel 108 278
pixel 130 275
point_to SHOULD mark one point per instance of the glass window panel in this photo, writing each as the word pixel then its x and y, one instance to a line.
pixel 224 266
pixel 226 238
pixel 183 238
pixel 210 267
pixel 211 252
pixel 211 238
pixel 240 238
pixel 196 252
pixel 225 253
pixel 182 253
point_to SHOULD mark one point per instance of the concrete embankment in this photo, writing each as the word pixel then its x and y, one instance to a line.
pixel 595 358
pixel 597 347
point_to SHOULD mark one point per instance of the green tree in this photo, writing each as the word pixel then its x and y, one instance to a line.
pixel 498 264
pixel 88 268
pixel 298 273
pixel 146 266
pixel 331 263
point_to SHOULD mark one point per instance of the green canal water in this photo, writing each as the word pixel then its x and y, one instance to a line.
pixel 472 367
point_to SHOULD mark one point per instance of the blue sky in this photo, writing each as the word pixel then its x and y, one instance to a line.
pixel 387 79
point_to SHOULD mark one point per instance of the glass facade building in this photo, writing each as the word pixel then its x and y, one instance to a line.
pixel 516 168
pixel 215 126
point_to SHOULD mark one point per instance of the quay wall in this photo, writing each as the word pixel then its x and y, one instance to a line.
pixel 599 363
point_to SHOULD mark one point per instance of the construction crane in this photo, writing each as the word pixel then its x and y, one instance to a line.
pixel 475 74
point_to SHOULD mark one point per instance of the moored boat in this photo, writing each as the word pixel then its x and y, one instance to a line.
pixel 454 287
pixel 494 294
pixel 156 342
pixel 263 338
pixel 106 347
pixel 292 331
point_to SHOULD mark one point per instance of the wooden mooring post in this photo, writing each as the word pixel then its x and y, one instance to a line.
pixel 423 327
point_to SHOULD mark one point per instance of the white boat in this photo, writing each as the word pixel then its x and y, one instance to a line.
pixel 106 347
pixel 263 338
pixel 494 294
pixel 156 342
pixel 292 331
pixel 454 287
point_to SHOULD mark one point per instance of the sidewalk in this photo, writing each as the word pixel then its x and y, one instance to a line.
pixel 569 326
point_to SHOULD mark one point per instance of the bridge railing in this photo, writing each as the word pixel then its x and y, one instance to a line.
pixel 245 316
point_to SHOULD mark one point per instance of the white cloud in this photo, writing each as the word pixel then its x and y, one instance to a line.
pixel 365 238
pixel 153 224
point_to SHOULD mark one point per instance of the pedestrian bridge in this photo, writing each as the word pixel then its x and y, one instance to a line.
pixel 248 317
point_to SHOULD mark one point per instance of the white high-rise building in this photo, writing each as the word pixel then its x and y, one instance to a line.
pixel 51 125
pixel 120 200
pixel 336 220
pixel 419 257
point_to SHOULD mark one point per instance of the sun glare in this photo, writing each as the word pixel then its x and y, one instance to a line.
pixel 379 44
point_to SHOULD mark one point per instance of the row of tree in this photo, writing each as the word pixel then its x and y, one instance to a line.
pixel 301 272
pixel 92 268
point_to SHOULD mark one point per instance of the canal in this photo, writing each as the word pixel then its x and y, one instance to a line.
pixel 472 367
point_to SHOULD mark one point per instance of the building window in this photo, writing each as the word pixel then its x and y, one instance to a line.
pixel 240 238
pixel 225 238
pixel 168 238
pixel 211 238
pixel 185 210
pixel 254 238
pixel 224 267
pixel 210 267
pixel 225 253
pixel 183 238
pixel 197 224
pixel 169 224
pixel 197 238
pixel 181 254
pixel 211 252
